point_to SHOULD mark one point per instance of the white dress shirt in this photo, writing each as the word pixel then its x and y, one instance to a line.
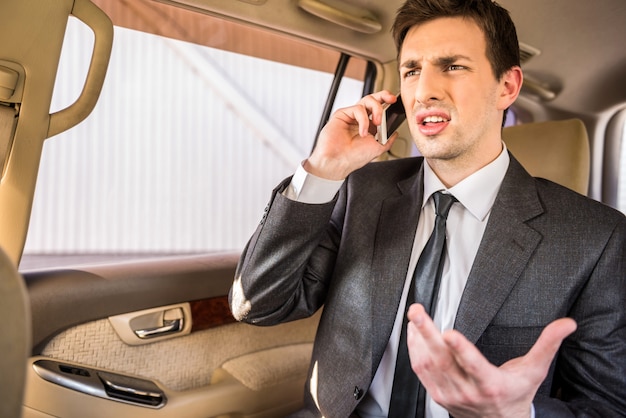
pixel 464 230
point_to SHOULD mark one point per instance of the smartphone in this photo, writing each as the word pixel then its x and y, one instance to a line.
pixel 393 116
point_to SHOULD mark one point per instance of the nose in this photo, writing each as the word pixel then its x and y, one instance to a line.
pixel 429 86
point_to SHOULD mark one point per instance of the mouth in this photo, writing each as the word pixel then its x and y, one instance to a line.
pixel 432 123
pixel 432 119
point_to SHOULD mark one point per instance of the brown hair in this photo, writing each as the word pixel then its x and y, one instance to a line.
pixel 495 22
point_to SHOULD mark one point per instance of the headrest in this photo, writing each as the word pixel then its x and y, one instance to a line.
pixel 554 150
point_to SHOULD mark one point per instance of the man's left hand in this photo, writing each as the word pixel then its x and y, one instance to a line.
pixel 459 378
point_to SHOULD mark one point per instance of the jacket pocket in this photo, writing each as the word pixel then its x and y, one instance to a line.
pixel 500 344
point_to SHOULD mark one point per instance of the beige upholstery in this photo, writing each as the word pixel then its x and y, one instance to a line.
pixel 267 368
pixel 96 344
pixel 15 338
pixel 555 150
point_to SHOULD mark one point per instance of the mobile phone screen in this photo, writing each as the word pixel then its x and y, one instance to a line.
pixel 394 116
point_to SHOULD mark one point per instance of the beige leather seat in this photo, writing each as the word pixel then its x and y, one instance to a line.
pixel 15 338
pixel 555 150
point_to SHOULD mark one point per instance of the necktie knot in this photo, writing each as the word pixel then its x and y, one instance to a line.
pixel 443 203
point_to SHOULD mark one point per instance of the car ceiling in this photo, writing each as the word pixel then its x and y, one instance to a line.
pixel 581 59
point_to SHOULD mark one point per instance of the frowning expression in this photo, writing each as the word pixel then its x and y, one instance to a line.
pixel 454 101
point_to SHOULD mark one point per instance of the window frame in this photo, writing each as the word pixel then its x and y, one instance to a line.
pixel 614 164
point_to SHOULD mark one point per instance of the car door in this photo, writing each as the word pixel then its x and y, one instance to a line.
pixel 133 238
pixel 156 338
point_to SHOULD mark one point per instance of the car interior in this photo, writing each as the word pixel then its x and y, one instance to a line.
pixel 140 326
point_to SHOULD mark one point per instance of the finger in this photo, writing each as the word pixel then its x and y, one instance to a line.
pixel 430 359
pixel 374 104
pixel 390 141
pixel 424 327
pixel 358 115
pixel 366 125
pixel 468 358
pixel 418 316
pixel 549 342
pixel 380 97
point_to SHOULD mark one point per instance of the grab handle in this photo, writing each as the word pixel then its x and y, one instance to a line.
pixel 102 28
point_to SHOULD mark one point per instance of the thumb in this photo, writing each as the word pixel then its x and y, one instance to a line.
pixel 549 342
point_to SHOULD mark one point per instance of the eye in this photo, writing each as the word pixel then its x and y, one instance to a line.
pixel 455 67
pixel 411 73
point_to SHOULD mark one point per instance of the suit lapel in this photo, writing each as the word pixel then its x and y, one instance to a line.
pixel 392 251
pixel 505 249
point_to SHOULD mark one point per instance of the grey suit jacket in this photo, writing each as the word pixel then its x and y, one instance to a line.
pixel 547 253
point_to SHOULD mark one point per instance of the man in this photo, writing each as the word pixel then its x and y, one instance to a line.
pixel 534 279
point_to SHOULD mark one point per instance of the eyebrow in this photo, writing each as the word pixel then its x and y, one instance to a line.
pixel 440 61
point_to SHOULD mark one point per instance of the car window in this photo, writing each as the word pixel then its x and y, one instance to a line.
pixel 184 143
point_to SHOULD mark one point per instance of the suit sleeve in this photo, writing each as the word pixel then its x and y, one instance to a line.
pixel 591 366
pixel 285 268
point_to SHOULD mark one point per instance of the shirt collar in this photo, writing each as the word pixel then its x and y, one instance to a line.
pixel 476 192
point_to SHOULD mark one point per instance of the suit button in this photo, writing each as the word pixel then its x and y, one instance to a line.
pixel 358 393
pixel 265 212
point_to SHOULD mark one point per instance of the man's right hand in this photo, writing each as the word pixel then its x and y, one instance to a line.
pixel 347 141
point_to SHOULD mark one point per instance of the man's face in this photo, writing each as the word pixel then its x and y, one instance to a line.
pixel 454 102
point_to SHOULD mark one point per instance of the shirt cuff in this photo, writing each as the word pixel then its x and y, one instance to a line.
pixel 307 188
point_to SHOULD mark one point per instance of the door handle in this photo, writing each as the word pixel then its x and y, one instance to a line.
pixel 169 327
pixel 150 325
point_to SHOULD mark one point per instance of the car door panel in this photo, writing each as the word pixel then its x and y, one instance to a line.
pixel 67 296
pixel 219 368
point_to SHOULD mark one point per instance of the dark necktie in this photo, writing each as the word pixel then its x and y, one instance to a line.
pixel 408 395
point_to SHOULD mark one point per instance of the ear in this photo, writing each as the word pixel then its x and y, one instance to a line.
pixel 510 86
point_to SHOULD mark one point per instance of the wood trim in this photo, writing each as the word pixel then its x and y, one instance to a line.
pixel 210 313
